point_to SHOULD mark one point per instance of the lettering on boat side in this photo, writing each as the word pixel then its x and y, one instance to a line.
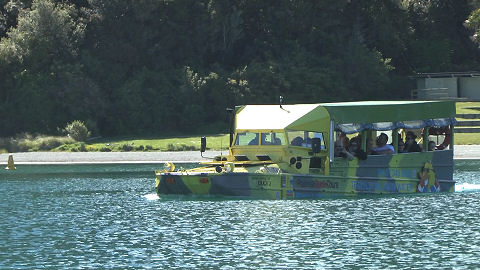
pixel 396 173
pixel 315 183
pixel 325 184
pixel 372 186
pixel 264 183
pixel 365 186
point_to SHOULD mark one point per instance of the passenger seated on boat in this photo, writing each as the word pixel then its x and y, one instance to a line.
pixel 297 141
pixel 342 139
pixel 410 144
pixel 307 142
pixel 277 141
pixel 341 145
pixel 341 151
pixel 432 146
pixel 355 148
pixel 382 146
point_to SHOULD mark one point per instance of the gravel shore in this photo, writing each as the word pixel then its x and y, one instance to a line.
pixel 460 152
pixel 109 157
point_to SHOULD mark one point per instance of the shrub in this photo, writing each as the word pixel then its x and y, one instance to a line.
pixel 170 147
pixel 29 143
pixel 82 147
pixel 127 147
pixel 148 147
pixel 188 147
pixel 182 147
pixel 63 148
pixel 49 143
pixel 78 131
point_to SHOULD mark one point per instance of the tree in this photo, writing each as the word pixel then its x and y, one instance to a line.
pixel 440 41
pixel 136 67
pixel 45 34
pixel 36 54
pixel 473 24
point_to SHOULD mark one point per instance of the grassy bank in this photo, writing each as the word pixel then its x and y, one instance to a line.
pixel 27 143
pixel 125 144
pixel 468 107
pixel 467 138
pixel 214 142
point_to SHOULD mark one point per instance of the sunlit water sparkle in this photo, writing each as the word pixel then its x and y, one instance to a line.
pixel 109 217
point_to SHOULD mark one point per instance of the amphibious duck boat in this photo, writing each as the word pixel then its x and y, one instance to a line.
pixel 289 152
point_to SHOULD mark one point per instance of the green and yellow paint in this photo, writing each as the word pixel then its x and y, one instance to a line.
pixel 383 174
pixel 274 167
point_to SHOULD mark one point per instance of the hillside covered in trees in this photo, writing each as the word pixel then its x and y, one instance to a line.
pixel 150 66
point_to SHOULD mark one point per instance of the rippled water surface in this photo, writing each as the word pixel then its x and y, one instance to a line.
pixel 108 217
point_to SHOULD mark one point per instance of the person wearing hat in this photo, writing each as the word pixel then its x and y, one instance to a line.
pixel 410 144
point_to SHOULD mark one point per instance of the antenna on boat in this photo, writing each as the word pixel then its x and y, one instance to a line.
pixel 281 103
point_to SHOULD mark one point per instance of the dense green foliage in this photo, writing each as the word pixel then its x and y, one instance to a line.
pixel 157 67
pixel 77 130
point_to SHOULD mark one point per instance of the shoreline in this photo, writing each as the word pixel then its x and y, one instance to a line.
pixel 70 158
pixel 461 152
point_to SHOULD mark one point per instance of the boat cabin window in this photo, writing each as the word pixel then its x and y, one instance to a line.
pixel 304 138
pixel 378 142
pixel 267 138
pixel 273 138
pixel 247 138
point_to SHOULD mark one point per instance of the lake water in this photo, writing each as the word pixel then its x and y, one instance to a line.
pixel 109 217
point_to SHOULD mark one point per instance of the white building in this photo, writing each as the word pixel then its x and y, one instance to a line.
pixel 447 85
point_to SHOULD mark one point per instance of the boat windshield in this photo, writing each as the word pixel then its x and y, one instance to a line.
pixel 268 138
pixel 304 138
pixel 273 138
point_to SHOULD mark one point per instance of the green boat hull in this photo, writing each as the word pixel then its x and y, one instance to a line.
pixel 427 172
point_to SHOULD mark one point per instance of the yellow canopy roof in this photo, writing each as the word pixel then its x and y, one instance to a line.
pixel 316 117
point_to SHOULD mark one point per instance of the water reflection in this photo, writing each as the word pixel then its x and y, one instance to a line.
pixel 466 187
pixel 151 196
pixel 108 220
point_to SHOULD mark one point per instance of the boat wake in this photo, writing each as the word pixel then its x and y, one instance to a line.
pixel 151 196
pixel 466 187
